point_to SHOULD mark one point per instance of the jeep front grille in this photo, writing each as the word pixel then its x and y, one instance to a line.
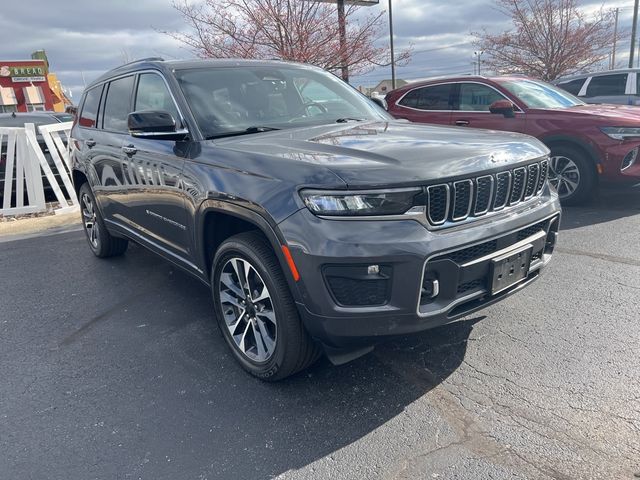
pixel 474 197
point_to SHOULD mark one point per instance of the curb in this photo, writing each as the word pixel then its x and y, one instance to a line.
pixel 28 226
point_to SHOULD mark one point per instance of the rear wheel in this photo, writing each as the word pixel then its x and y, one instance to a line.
pixel 572 174
pixel 101 242
pixel 255 311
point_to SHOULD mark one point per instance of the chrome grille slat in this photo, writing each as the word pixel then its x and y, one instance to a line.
pixel 503 190
pixel 462 199
pixel 453 202
pixel 484 194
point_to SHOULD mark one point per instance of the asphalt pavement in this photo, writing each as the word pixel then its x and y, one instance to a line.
pixel 116 370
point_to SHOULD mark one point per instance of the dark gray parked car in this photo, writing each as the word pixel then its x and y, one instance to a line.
pixel 319 222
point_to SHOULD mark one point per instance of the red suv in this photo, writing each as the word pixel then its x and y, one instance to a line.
pixel 587 142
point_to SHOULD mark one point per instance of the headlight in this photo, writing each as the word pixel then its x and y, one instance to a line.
pixel 621 133
pixel 371 202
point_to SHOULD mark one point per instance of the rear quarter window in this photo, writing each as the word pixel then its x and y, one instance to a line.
pixel 573 87
pixel 89 114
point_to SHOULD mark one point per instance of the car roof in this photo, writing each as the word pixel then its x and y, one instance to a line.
pixel 167 66
pixel 20 118
pixel 464 78
pixel 581 76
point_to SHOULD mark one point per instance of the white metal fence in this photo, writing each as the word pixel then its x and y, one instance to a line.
pixel 26 168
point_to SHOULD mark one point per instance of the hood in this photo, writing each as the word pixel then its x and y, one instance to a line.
pixel 395 152
pixel 608 112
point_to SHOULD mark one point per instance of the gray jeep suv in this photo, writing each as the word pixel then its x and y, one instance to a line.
pixel 320 223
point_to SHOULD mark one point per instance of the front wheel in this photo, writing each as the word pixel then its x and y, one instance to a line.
pixel 255 311
pixel 572 175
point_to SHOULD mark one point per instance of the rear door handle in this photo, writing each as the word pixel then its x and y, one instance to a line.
pixel 90 143
pixel 129 150
pixel 462 123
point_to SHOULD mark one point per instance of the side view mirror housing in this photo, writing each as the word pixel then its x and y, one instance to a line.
pixel 156 124
pixel 381 102
pixel 505 107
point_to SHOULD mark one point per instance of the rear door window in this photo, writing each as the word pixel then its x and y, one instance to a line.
pixel 437 97
pixel 607 85
pixel 574 86
pixel 89 114
pixel 118 104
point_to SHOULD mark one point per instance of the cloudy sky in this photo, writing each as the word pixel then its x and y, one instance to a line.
pixel 84 38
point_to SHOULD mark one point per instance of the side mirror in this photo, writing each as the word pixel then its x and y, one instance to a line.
pixel 156 124
pixel 381 102
pixel 505 107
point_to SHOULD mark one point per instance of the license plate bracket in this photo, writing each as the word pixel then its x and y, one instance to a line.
pixel 510 268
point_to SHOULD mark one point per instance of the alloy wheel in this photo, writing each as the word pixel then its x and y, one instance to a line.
pixel 564 175
pixel 248 309
pixel 89 217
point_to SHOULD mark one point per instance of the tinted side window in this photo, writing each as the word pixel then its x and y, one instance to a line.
pixel 475 97
pixel 411 99
pixel 607 85
pixel 117 105
pixel 90 108
pixel 437 97
pixel 573 86
pixel 153 94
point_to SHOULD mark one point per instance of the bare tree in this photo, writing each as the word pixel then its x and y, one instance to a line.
pixel 299 30
pixel 550 38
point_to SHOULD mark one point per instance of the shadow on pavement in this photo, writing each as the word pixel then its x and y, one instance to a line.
pixel 610 204
pixel 127 376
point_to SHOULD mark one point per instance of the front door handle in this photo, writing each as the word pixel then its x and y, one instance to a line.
pixel 129 150
pixel 90 143
pixel 462 123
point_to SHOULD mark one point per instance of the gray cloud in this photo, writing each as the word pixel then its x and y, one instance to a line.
pixel 84 38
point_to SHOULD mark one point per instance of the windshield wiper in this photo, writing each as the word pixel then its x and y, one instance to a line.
pixel 348 119
pixel 246 131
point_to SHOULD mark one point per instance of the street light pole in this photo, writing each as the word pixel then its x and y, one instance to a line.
pixel 343 41
pixel 393 58
pixel 615 40
pixel 633 33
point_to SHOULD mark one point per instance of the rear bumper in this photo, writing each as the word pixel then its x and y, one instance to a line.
pixel 361 280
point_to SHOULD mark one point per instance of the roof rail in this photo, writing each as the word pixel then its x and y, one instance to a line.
pixel 148 59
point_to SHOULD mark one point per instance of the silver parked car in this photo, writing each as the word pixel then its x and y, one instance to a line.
pixel 611 86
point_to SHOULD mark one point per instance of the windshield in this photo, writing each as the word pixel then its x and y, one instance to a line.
pixel 228 100
pixel 538 94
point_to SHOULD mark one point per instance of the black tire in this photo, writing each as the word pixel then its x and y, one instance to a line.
pixel 101 242
pixel 294 349
pixel 586 178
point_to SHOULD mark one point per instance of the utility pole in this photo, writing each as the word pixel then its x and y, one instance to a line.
pixel 634 28
pixel 478 55
pixel 342 27
pixel 615 40
pixel 393 58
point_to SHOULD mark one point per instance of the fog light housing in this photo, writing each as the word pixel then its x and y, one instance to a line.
pixel 629 159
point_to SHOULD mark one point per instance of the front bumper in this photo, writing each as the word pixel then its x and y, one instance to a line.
pixel 380 266
pixel 613 160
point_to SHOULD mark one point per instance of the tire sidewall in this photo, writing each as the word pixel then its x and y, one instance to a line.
pixel 227 251
pixel 85 189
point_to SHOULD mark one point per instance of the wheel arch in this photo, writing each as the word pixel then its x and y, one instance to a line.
pixel 567 140
pixel 218 220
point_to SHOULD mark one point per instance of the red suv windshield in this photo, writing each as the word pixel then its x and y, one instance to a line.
pixel 536 94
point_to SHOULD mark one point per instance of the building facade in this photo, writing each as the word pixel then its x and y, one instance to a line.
pixel 24 86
